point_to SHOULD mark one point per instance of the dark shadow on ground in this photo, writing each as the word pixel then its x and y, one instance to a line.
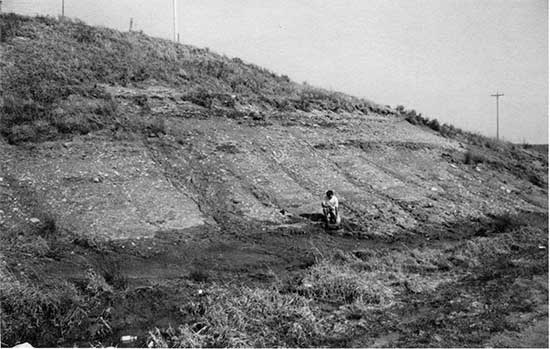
pixel 315 217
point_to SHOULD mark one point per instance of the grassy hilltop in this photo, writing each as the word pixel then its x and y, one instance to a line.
pixel 163 191
pixel 54 60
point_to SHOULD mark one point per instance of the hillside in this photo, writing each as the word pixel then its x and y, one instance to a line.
pixel 164 191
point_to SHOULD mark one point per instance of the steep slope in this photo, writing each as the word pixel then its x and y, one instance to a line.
pixel 129 162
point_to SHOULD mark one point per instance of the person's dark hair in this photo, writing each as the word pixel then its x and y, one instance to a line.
pixel 330 193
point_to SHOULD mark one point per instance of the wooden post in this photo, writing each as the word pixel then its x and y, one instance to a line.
pixel 497 95
pixel 175 20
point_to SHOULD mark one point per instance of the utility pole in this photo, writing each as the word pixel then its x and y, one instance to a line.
pixel 175 20
pixel 497 96
pixel 131 24
pixel 62 8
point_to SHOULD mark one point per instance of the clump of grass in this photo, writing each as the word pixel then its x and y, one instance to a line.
pixel 154 126
pixel 476 252
pixel 33 240
pixel 198 275
pixel 53 312
pixel 36 315
pixel 37 246
pixel 201 97
pixel 110 270
pixel 245 317
pixel 341 284
pixel 536 179
pixel 472 157
pixel 509 235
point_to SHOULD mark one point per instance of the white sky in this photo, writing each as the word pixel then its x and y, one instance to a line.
pixel 443 58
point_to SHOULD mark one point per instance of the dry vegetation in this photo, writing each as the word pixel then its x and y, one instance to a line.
pixel 349 298
pixel 500 155
pixel 54 87
pixel 460 291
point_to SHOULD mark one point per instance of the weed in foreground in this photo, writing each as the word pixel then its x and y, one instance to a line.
pixel 246 317
pixel 36 315
pixel 341 284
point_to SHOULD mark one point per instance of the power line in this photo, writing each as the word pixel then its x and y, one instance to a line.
pixel 497 96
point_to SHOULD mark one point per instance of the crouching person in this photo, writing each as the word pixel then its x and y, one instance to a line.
pixel 330 209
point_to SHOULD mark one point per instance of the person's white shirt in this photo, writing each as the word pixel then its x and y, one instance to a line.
pixel 332 202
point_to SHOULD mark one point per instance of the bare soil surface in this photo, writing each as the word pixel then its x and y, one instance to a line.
pixel 215 200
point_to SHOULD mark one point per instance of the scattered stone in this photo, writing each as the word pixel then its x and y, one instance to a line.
pixel 478 169
pixel 96 179
pixel 35 220
pixel 434 189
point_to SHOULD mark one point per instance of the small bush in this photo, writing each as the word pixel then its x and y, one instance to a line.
pixel 202 98
pixel 434 125
pixel 22 133
pixel 85 34
pixel 536 179
pixel 198 275
pixel 142 101
pixel 74 124
pixel 157 126
pixel 472 158
pixel 9 26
